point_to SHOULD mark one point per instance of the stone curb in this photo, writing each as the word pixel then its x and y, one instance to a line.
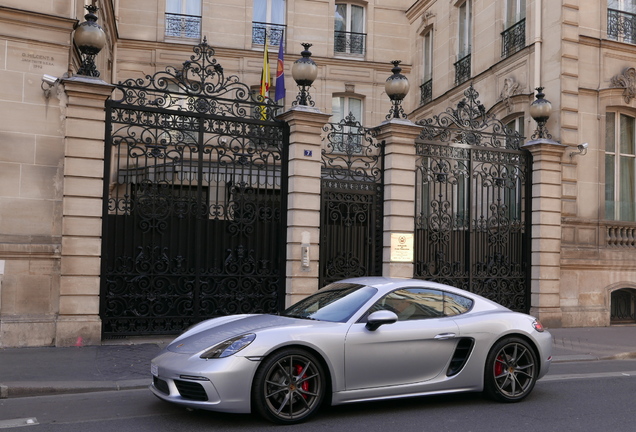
pixel 44 388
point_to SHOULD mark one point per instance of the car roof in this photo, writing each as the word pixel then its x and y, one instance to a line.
pixel 386 284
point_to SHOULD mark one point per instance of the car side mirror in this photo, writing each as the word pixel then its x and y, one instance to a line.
pixel 381 317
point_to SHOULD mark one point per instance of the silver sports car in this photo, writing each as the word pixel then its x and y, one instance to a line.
pixel 356 340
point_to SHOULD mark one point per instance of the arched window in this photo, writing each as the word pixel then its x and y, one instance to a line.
pixel 623 305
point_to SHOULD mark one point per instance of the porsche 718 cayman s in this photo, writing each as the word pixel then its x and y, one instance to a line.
pixel 355 340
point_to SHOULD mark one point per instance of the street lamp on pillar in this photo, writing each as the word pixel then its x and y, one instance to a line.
pixel 540 111
pixel 396 87
pixel 304 71
pixel 90 39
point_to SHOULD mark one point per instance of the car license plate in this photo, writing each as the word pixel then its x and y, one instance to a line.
pixel 154 369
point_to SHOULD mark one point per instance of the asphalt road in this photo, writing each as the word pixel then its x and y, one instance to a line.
pixel 582 396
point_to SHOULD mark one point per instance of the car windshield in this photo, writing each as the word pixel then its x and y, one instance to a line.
pixel 336 302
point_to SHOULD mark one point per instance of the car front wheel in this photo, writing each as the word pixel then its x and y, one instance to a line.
pixel 289 386
pixel 511 370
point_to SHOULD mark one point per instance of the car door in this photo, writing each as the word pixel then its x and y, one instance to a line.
pixel 414 349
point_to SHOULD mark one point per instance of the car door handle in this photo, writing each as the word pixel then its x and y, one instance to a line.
pixel 445 336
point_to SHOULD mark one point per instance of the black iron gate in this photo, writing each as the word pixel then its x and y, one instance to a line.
pixel 195 203
pixel 473 204
pixel 352 200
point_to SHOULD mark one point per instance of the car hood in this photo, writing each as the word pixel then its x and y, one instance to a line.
pixel 212 334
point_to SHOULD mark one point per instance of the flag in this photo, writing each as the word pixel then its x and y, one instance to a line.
pixel 280 72
pixel 265 75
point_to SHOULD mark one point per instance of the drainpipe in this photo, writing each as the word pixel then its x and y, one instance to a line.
pixel 538 42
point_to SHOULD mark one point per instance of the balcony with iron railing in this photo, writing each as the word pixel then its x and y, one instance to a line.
pixel 462 69
pixel 426 92
pixel 274 33
pixel 349 42
pixel 621 26
pixel 513 39
pixel 183 26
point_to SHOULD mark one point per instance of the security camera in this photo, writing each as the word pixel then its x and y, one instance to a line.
pixel 49 79
pixel 582 150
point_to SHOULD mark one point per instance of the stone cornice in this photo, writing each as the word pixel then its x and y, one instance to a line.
pixel 22 24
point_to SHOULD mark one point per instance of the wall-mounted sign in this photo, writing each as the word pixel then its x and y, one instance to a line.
pixel 401 247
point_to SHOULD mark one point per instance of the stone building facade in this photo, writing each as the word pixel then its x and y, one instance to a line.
pixel 581 51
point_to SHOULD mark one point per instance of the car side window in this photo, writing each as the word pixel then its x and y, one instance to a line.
pixel 413 303
pixel 422 303
pixel 455 304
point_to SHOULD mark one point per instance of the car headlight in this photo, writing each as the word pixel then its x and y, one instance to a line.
pixel 229 347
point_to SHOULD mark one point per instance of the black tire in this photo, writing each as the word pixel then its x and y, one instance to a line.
pixel 511 370
pixel 289 386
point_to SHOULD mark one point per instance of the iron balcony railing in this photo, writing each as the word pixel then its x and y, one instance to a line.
pixel 621 26
pixel 426 92
pixel 350 42
pixel 513 39
pixel 183 26
pixel 462 69
pixel 274 33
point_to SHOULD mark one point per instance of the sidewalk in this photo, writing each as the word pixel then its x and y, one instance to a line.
pixel 125 364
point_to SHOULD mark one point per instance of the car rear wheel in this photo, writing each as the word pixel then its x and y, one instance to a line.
pixel 289 386
pixel 511 370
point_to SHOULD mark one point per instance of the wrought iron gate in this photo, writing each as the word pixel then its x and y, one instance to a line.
pixel 473 204
pixel 352 200
pixel 195 203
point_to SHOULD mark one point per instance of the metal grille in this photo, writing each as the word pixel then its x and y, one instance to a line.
pixel 472 206
pixel 462 70
pixel 621 26
pixel 623 306
pixel 183 26
pixel 426 92
pixel 274 33
pixel 194 214
pixel 352 199
pixel 513 39
pixel 349 42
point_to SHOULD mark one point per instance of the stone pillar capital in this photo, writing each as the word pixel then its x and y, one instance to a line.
pixel 88 87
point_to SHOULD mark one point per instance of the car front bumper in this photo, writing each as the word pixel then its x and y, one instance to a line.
pixel 215 384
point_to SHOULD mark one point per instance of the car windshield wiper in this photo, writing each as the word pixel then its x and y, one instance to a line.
pixel 301 316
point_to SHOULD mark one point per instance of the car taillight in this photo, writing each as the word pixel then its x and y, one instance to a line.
pixel 538 326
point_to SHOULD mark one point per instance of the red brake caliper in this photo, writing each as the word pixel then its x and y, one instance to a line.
pixel 499 367
pixel 305 384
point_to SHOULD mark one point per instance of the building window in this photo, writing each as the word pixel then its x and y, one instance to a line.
pixel 349 35
pixel 620 167
pixel 426 89
pixel 623 306
pixel 513 38
pixel 348 112
pixel 268 19
pixel 462 66
pixel 183 19
pixel 621 20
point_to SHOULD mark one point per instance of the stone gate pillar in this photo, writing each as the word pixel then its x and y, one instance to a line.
pixel 78 321
pixel 399 190
pixel 303 214
pixel 546 230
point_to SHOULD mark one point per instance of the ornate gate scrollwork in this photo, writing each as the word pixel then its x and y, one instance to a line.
pixel 472 206
pixel 352 199
pixel 194 206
